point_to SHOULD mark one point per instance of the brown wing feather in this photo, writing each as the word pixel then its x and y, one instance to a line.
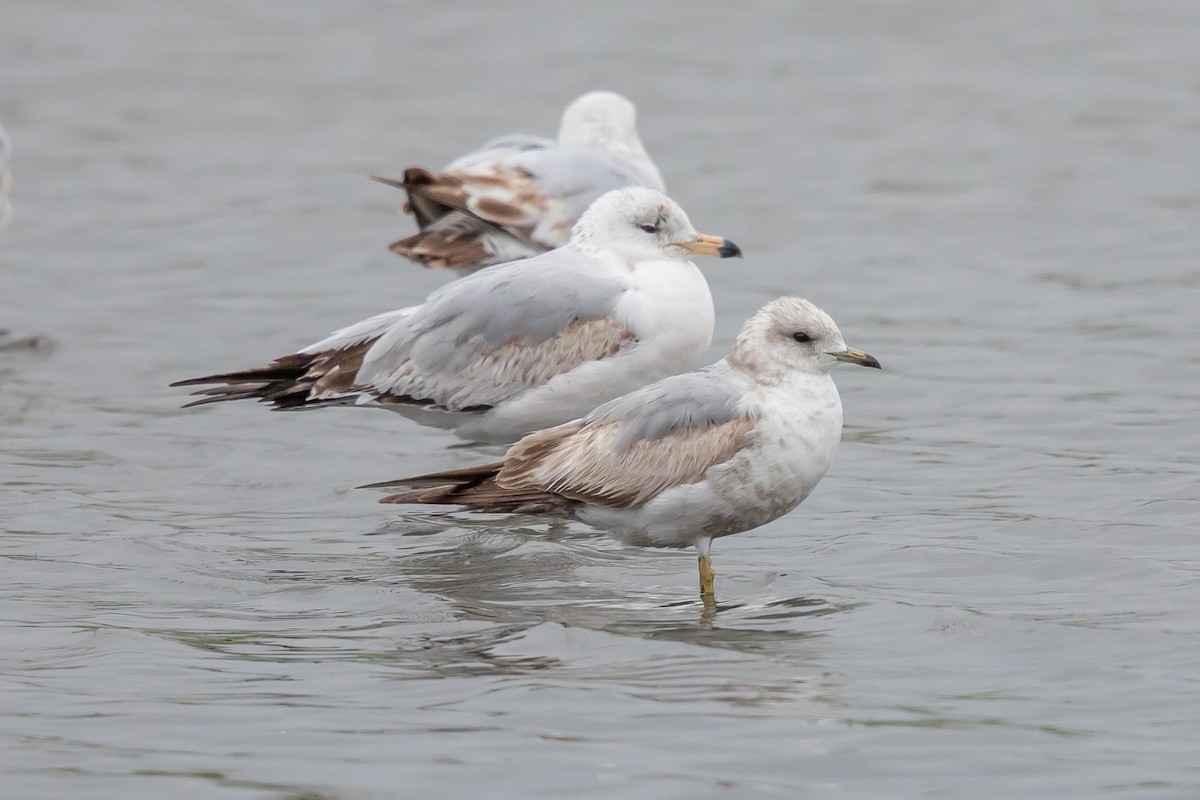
pixel 582 463
pixel 474 488
pixel 457 212
pixel 555 469
pixel 295 381
pixel 505 197
pixel 424 208
pixel 456 240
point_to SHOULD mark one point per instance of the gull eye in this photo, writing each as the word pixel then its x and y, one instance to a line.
pixel 801 336
pixel 649 228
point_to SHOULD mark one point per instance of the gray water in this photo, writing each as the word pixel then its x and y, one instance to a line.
pixel 994 593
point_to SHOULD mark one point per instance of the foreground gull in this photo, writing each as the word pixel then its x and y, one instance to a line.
pixel 520 346
pixel 681 462
pixel 519 195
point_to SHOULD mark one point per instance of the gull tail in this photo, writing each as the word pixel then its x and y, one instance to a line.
pixel 429 196
pixel 453 234
pixel 301 380
pixel 449 237
pixel 473 488
pixel 457 241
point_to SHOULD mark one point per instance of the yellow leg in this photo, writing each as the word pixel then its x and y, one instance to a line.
pixel 706 578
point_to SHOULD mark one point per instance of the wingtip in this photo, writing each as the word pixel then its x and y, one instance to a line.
pixel 399 184
pixel 381 485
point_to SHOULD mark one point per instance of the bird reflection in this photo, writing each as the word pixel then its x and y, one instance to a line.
pixel 523 570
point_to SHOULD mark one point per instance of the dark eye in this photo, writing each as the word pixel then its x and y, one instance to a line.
pixel 650 228
pixel 801 336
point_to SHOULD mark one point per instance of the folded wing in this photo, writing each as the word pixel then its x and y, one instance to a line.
pixel 473 344
pixel 622 455
pixel 628 451
pixel 517 199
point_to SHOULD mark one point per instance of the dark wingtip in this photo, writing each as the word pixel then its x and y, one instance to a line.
pixel 392 484
pixel 399 184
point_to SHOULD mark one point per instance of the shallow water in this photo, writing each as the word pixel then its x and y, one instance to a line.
pixel 992 594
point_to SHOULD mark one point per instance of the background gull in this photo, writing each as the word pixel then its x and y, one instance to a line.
pixel 519 346
pixel 519 195
pixel 686 460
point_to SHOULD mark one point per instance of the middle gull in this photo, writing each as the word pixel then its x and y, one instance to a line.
pixel 519 346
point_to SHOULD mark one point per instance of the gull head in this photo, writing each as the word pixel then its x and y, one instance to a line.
pixel 791 334
pixel 602 119
pixel 645 225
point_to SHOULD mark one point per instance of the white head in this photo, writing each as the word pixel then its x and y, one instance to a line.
pixel 790 334
pixel 645 225
pixel 602 119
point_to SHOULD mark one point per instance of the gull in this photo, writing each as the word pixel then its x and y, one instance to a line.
pixel 686 460
pixel 519 346
pixel 519 195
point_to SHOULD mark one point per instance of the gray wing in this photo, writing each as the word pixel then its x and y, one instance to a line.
pixel 487 337
pixel 361 332
pixel 501 147
pixel 637 446
pixel 575 177
pixel 680 404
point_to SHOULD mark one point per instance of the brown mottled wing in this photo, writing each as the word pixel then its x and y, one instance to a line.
pixel 505 196
pixel 623 454
pixel 456 241
pixel 629 450
pixel 587 464
pixel 472 219
pixel 421 204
